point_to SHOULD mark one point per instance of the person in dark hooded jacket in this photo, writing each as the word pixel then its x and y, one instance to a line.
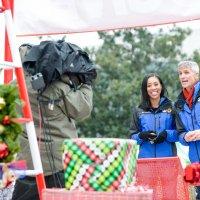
pixel 152 124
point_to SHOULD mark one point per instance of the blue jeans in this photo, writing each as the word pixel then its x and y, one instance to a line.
pixel 198 192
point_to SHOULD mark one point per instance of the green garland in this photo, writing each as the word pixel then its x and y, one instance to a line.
pixel 9 129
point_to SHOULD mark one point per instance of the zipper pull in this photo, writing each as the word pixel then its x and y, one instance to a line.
pixel 51 105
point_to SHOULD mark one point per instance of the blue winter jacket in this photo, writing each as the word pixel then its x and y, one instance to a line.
pixel 147 119
pixel 188 119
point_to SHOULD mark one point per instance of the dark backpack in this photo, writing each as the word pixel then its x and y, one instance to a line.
pixel 51 59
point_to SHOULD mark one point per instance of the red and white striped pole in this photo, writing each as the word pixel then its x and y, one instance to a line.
pixel 30 129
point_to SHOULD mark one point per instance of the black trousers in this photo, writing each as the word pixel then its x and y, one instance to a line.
pixel 26 189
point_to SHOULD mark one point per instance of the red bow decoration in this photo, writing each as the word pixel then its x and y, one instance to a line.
pixel 192 174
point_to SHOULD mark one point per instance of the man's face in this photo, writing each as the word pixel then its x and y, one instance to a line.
pixel 187 77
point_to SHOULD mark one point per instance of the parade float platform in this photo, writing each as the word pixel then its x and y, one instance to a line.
pixel 63 194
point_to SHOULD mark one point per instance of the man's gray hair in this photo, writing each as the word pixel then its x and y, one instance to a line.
pixel 191 64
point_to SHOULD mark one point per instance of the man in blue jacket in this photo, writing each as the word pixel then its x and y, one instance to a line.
pixel 188 109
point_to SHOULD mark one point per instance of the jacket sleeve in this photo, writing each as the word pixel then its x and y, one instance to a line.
pixel 172 134
pixel 134 127
pixel 78 104
pixel 75 104
pixel 180 129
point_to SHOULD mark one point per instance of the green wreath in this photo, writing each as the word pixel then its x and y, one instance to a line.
pixel 9 128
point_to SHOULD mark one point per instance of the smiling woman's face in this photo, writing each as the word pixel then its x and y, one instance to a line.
pixel 154 88
pixel 187 77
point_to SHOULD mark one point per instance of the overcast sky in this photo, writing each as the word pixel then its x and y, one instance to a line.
pixel 91 38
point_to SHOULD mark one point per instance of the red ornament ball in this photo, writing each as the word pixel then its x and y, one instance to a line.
pixel 6 120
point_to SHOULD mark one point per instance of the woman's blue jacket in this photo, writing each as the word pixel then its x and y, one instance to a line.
pixel 157 120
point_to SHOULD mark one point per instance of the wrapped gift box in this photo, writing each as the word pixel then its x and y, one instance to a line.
pixel 98 164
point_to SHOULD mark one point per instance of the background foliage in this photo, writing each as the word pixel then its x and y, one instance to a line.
pixel 123 59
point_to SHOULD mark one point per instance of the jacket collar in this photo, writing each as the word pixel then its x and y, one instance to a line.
pixel 164 104
pixel 181 101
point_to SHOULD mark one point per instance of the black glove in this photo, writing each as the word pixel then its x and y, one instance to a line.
pixel 75 80
pixel 160 138
pixel 147 135
pixel 86 79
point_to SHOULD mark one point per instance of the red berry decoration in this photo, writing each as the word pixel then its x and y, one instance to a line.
pixel 6 120
pixel 3 150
